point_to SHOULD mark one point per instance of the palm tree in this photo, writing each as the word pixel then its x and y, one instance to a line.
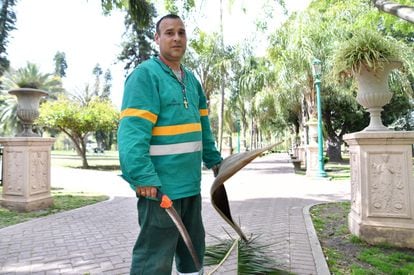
pixel 31 77
pixel 251 79
pixel 8 118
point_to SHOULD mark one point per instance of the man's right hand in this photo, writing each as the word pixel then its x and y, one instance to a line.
pixel 147 191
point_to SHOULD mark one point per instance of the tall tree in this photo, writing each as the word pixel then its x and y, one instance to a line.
pixel 291 53
pixel 60 64
pixel 202 56
pixel 140 11
pixel 97 72
pixel 137 45
pixel 251 78
pixel 107 86
pixel 103 138
pixel 222 85
pixel 320 28
pixel 7 24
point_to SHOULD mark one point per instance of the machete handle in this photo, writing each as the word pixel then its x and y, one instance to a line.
pixel 166 202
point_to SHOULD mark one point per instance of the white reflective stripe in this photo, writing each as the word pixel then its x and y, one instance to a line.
pixel 178 148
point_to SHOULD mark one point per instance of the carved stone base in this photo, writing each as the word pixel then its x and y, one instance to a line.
pixel 312 160
pixel 382 187
pixel 27 206
pixel 382 234
pixel 312 163
pixel 26 173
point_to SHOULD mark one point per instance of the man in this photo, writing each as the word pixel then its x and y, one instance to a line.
pixel 163 137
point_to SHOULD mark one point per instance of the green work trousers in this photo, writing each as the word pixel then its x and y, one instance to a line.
pixel 159 240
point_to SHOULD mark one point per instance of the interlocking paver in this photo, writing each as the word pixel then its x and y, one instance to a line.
pixel 266 197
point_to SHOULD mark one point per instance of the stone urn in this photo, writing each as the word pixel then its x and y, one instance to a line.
pixel 373 92
pixel 28 108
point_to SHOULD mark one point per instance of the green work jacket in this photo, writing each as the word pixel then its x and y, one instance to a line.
pixel 164 132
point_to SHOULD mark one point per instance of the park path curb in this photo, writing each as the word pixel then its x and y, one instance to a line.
pixel 320 261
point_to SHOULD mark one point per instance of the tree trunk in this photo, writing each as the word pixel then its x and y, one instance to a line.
pixel 221 116
pixel 334 140
pixel 84 160
pixel 251 134
pixel 82 153
pixel 231 144
pixel 80 146
pixel 334 150
pixel 401 11
pixel 221 111
pixel 245 138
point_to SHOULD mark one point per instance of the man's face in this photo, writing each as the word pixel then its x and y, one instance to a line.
pixel 171 39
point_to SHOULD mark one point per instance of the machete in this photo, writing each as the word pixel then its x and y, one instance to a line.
pixel 167 204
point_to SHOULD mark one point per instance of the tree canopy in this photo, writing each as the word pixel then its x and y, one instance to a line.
pixel 78 120
pixel 266 95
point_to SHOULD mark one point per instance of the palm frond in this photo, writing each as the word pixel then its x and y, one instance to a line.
pixel 252 256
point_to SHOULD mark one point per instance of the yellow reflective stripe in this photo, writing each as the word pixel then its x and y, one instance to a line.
pixel 176 129
pixel 139 113
pixel 203 112
pixel 173 149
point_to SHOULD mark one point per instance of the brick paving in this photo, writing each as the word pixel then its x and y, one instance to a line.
pixel 268 199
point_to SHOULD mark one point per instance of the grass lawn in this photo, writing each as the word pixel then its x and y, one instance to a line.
pixel 334 170
pixel 347 254
pixel 338 170
pixel 107 161
pixel 62 201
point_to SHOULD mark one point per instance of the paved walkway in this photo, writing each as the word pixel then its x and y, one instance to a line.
pixel 268 199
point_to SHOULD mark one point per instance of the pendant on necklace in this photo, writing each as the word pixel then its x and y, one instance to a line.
pixel 185 103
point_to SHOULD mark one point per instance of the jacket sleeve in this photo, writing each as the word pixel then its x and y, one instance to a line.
pixel 139 112
pixel 211 156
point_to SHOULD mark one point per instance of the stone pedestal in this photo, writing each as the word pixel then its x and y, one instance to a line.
pixel 312 165
pixel 382 187
pixel 302 155
pixel 26 173
pixel 312 153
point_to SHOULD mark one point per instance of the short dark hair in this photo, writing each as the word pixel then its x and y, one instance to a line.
pixel 168 16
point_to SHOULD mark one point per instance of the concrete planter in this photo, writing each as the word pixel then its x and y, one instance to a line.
pixel 373 93
pixel 26 159
pixel 28 108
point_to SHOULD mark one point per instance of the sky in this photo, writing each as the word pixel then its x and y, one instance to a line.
pixel 87 37
pixel 75 27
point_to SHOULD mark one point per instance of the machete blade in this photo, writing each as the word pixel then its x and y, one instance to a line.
pixel 166 203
